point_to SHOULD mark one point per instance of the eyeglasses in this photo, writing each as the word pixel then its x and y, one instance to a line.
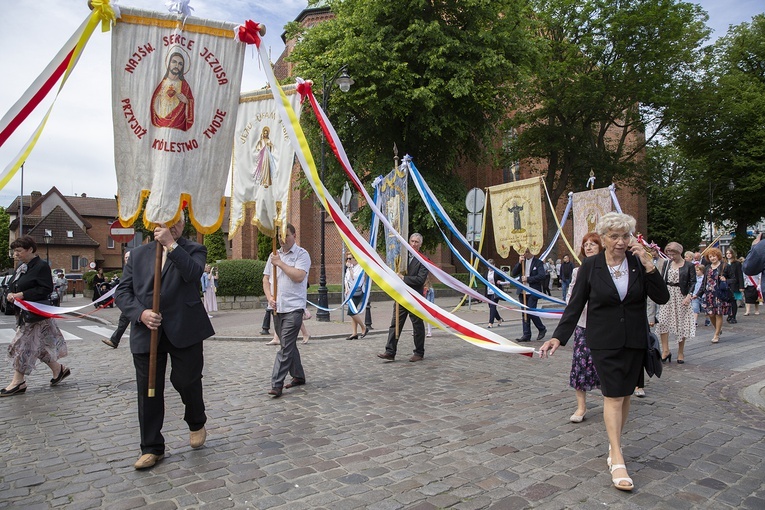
pixel 616 237
pixel 348 259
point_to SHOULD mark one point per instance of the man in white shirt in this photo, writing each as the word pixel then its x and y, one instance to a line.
pixel 292 264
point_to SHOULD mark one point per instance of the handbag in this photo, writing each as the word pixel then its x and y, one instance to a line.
pixel 722 291
pixel 652 359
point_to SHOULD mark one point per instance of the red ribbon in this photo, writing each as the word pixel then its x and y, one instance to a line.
pixel 304 89
pixel 249 33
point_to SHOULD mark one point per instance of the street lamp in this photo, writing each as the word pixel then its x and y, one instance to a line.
pixel 344 82
pixel 47 237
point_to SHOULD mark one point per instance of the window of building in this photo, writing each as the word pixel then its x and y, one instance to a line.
pixel 110 243
pixel 70 233
pixel 75 262
pixel 48 232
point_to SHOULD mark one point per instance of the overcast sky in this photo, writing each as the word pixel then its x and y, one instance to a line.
pixel 75 151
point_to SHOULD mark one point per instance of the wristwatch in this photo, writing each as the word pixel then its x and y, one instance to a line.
pixel 172 247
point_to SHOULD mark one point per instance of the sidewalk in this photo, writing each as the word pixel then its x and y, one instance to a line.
pixel 464 429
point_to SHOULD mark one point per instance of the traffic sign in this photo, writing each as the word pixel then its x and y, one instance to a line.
pixel 121 234
pixel 475 200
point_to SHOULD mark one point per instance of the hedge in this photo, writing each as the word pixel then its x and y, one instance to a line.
pixel 240 277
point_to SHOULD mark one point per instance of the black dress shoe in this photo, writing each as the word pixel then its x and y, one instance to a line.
pixel 264 332
pixel 733 321
pixel 365 333
pixel 15 390
pixel 523 339
pixel 275 392
pixel 386 356
pixel 542 334
pixel 296 381
pixel 353 337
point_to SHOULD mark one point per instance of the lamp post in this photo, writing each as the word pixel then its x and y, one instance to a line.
pixel 47 237
pixel 344 82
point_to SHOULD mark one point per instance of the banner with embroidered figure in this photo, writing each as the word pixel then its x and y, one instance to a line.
pixel 516 212
pixel 588 206
pixel 262 163
pixel 175 88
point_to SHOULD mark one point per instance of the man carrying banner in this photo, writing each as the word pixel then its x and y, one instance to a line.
pixel 183 325
pixel 533 274
pixel 415 277
pixel 291 264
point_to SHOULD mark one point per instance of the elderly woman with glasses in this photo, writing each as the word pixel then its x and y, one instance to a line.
pixel 614 285
pixel 676 316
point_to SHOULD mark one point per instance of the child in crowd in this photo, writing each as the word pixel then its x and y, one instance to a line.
pixel 696 302
pixel 430 295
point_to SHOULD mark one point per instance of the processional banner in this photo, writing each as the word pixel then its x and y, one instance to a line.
pixel 394 203
pixel 588 206
pixel 516 212
pixel 262 164
pixel 175 90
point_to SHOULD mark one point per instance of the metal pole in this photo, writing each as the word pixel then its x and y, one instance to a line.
pixel 21 203
pixel 322 314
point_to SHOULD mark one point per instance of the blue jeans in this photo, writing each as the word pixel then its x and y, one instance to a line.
pixel 564 286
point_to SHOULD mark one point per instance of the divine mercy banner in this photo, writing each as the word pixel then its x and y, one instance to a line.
pixel 394 204
pixel 516 212
pixel 588 206
pixel 175 90
pixel 262 163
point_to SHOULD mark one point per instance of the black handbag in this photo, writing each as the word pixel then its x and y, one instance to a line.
pixel 722 291
pixel 652 360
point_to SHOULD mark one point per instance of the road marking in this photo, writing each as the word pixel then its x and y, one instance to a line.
pixel 99 330
pixel 69 336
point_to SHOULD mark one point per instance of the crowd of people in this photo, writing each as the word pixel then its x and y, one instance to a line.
pixel 621 290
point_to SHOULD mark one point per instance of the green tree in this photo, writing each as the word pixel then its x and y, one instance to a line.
pixel 431 77
pixel 216 246
pixel 673 213
pixel 607 72
pixel 723 126
pixel 5 222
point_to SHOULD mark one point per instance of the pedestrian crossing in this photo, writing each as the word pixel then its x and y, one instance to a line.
pixel 69 329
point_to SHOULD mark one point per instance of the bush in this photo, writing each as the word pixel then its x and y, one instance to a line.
pixel 240 277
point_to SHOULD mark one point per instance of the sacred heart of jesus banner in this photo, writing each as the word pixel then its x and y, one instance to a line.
pixel 175 90
pixel 262 165
pixel 516 212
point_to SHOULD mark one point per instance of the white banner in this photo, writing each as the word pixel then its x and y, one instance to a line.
pixel 175 89
pixel 262 164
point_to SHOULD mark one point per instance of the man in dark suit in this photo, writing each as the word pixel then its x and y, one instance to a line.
pixel 123 321
pixel 415 277
pixel 533 277
pixel 183 325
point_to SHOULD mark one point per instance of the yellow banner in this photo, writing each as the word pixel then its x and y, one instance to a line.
pixel 516 211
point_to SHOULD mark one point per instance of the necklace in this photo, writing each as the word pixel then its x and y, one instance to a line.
pixel 619 270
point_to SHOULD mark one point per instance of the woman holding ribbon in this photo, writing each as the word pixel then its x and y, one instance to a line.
pixel 37 337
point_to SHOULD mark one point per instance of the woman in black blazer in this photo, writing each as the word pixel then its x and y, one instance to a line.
pixel 39 339
pixel 614 285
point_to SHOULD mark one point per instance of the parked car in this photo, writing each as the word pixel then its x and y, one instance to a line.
pixel 5 307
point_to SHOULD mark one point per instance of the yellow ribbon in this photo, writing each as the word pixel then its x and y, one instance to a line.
pixel 103 10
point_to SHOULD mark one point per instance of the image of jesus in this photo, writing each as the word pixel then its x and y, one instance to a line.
pixel 172 104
